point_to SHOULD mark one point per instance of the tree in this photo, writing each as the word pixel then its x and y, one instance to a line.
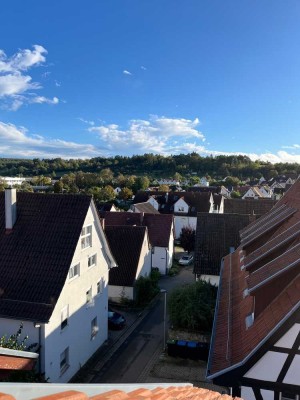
pixel 125 194
pixel 187 238
pixel 102 195
pixel 191 307
pixel 164 188
pixel 58 187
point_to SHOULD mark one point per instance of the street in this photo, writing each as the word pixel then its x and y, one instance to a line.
pixel 130 362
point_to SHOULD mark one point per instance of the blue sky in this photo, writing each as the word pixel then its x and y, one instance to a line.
pixel 81 79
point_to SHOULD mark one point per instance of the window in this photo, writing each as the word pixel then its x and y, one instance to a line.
pixel 94 327
pixel 89 295
pixel 64 360
pixel 92 260
pixel 74 271
pixel 100 286
pixel 64 317
pixel 86 237
pixel 180 208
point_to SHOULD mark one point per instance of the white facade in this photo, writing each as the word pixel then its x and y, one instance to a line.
pixel 271 364
pixel 76 328
pixel 11 181
pixel 153 202
pixel 182 222
pixel 162 257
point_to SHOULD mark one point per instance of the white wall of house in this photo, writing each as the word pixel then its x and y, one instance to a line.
pixel 181 207
pixel 183 221
pixel 117 293
pixel 213 279
pixel 10 327
pixel 77 336
pixel 153 202
pixel 160 259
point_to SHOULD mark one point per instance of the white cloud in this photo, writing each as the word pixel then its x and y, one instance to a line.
pixel 294 146
pixel 154 135
pixel 17 142
pixel 143 68
pixel 92 123
pixel 125 72
pixel 15 84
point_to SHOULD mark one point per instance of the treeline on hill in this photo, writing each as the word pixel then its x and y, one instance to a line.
pixel 152 165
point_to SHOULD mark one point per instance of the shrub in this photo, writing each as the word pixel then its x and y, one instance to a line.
pixel 192 307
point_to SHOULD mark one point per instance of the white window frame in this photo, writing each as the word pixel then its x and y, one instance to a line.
pixel 91 257
pixel 74 271
pixel 64 317
pixel 64 360
pixel 94 327
pixel 86 237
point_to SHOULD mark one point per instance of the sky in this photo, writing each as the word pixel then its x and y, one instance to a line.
pixel 81 79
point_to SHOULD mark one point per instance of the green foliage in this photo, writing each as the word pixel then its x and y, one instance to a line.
pixel 174 270
pixel 15 342
pixel 146 288
pixel 191 307
pixel 187 238
pixel 121 170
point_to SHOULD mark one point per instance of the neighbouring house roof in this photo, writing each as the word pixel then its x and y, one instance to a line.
pixel 112 392
pixel 126 244
pixel 15 360
pixel 35 256
pixel 215 235
pixel 197 201
pixel 159 225
pixel 261 278
pixel 145 208
pixel 248 206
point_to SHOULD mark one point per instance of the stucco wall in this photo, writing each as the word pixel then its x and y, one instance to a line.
pixel 77 334
pixel 183 221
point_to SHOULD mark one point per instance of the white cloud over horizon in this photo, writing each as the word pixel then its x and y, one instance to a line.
pixel 159 135
pixel 15 82
pixel 17 142
pixel 125 72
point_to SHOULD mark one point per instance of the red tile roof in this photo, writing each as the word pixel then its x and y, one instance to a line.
pixel 159 225
pixel 35 256
pixel 232 340
pixel 158 393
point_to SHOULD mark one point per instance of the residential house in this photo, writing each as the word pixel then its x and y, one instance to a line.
pixel 183 205
pixel 131 249
pixel 160 230
pixel 256 333
pixel 54 263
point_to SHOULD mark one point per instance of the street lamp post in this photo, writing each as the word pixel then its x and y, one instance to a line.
pixel 165 316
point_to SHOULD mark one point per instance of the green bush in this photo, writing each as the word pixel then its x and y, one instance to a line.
pixel 192 307
pixel 146 288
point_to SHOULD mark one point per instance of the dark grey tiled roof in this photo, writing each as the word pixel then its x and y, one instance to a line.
pixel 36 255
pixel 126 244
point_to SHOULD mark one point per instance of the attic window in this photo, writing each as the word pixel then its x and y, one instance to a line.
pixel 249 320
pixel 86 237
pixel 74 271
pixel 92 260
pixel 180 208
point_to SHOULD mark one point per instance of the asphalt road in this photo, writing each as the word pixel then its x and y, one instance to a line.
pixel 130 362
pixel 131 359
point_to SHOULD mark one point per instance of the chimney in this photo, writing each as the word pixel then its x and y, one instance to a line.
pixel 10 208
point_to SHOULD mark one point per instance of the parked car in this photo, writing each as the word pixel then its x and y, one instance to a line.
pixel 115 320
pixel 186 260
